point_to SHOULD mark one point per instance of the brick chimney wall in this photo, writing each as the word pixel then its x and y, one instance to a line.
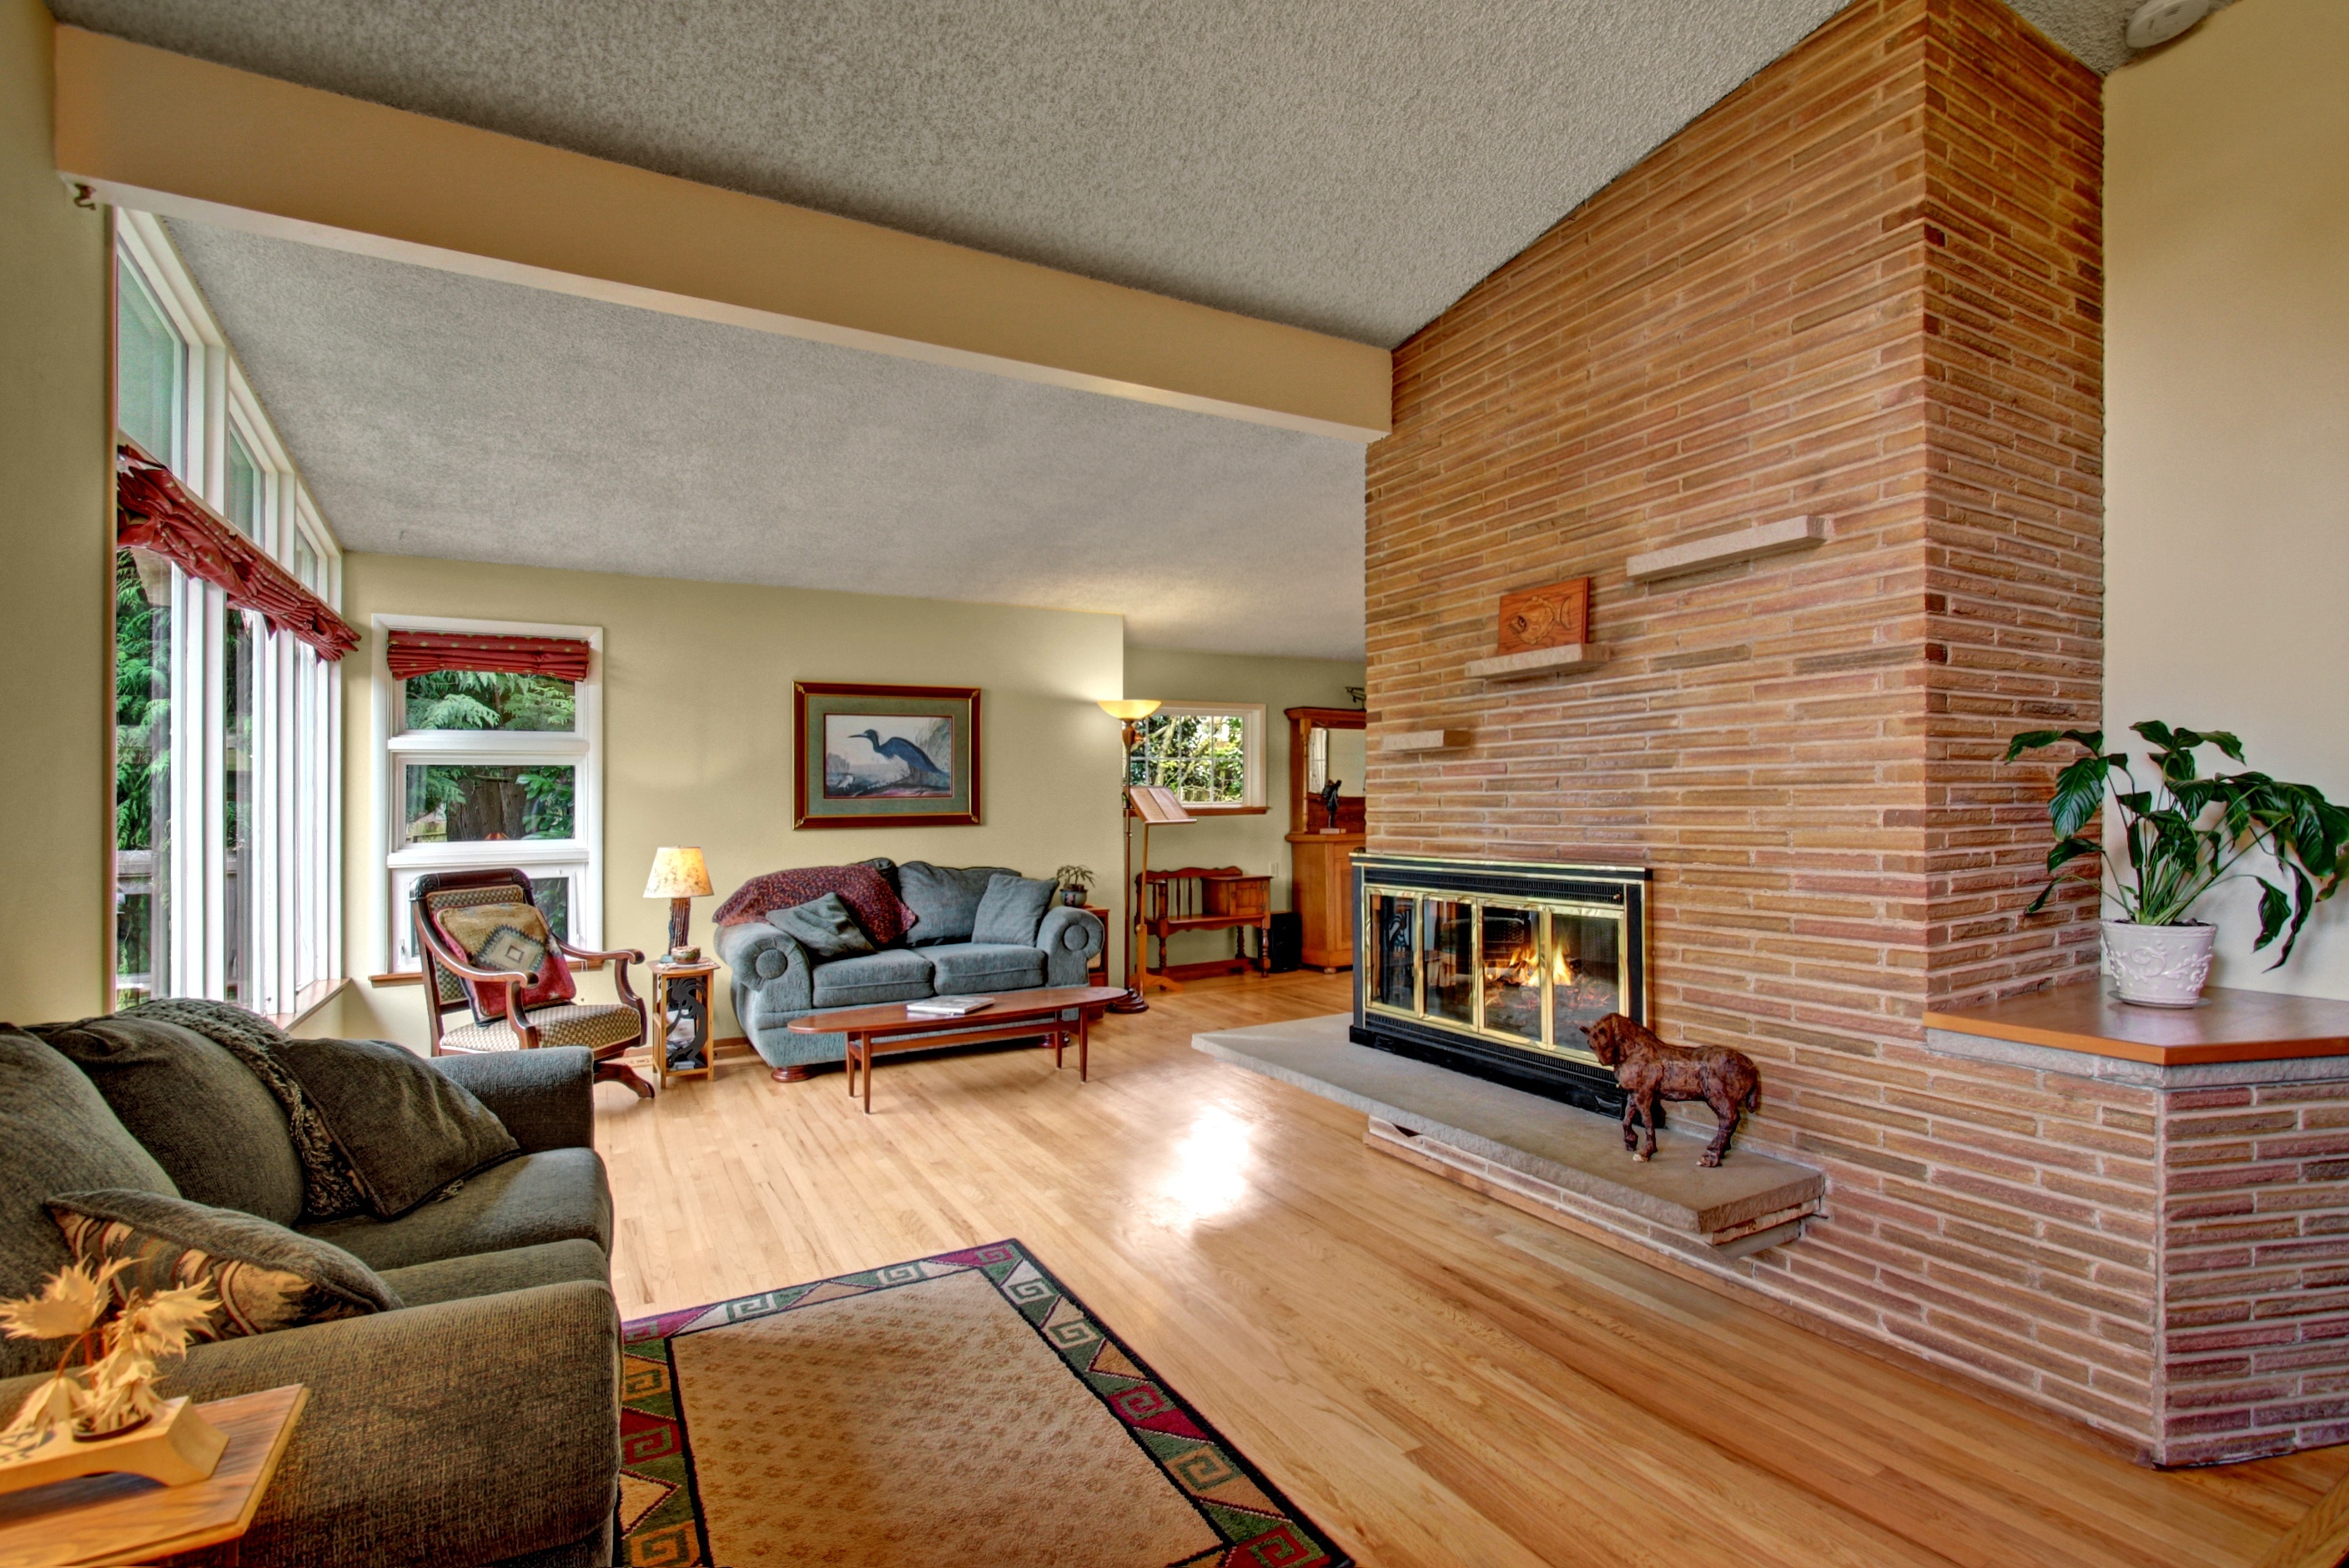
pixel 1865 285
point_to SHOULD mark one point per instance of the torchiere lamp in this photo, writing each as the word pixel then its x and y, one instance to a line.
pixel 1130 712
pixel 679 876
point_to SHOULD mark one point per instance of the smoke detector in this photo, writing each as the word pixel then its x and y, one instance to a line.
pixel 2159 21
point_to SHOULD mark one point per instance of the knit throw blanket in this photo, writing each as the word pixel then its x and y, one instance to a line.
pixel 330 1187
pixel 867 893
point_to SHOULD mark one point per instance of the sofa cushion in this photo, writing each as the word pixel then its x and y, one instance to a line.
pixel 487 1274
pixel 57 1135
pixel 891 975
pixel 1010 908
pixel 208 1121
pixel 824 926
pixel 265 1276
pixel 944 897
pixel 558 1195
pixel 981 967
pixel 409 1131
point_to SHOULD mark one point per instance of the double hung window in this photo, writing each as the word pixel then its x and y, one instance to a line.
pixel 227 825
pixel 486 767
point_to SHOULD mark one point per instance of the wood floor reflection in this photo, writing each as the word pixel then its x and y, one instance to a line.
pixel 1434 1377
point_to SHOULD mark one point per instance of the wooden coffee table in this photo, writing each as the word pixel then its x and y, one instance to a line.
pixel 1013 1016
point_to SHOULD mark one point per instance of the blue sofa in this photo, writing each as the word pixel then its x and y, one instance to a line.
pixel 776 980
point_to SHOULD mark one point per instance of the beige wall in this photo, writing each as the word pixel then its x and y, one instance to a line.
pixel 2226 544
pixel 54 493
pixel 698 734
pixel 1254 843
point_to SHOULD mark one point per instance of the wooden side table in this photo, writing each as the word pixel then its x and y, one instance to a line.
pixel 1098 963
pixel 103 1519
pixel 686 988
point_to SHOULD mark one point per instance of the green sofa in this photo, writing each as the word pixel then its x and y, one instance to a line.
pixel 776 980
pixel 478 1423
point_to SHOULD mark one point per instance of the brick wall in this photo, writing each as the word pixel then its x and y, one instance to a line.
pixel 1864 286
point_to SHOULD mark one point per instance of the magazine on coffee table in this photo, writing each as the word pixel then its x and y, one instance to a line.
pixel 946 1007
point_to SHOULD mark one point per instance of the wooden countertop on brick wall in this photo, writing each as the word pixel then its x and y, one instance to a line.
pixel 2229 1027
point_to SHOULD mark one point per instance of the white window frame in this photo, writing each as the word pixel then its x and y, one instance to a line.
pixel 580 858
pixel 293 943
pixel 1251 718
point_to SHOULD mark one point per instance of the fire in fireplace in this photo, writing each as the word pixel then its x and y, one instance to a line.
pixel 1493 967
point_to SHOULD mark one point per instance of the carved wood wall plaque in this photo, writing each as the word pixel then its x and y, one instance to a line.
pixel 1548 617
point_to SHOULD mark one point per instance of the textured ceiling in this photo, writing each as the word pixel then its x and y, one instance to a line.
pixel 1350 166
pixel 435 414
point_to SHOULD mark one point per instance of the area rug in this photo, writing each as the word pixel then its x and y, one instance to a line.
pixel 963 1409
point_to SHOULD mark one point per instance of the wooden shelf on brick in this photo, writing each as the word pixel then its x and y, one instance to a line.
pixel 1750 543
pixel 1567 658
pixel 1426 740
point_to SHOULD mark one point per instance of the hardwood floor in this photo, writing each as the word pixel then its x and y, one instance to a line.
pixel 1434 1377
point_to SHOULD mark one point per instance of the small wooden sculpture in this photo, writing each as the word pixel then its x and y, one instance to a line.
pixel 1547 617
pixel 1650 1070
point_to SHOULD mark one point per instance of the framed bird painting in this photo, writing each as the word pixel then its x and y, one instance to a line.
pixel 883 756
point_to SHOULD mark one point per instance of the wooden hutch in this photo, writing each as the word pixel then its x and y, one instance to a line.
pixel 1320 852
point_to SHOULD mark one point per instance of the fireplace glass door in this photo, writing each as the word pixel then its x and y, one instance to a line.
pixel 1525 972
pixel 1509 963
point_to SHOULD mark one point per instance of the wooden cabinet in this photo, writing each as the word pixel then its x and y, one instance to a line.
pixel 1322 890
pixel 1320 850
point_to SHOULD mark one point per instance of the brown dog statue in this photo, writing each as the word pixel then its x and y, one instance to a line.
pixel 1649 1070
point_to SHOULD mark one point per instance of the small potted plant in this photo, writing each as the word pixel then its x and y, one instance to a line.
pixel 1076 882
pixel 2181 838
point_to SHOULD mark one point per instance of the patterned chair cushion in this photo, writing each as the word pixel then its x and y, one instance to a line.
pixel 598 1026
pixel 504 932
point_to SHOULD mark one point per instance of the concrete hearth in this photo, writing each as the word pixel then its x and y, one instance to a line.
pixel 1559 1161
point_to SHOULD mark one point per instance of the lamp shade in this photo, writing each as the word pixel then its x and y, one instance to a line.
pixel 1129 709
pixel 678 874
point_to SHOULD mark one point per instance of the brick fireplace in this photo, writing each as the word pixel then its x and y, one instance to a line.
pixel 1865 287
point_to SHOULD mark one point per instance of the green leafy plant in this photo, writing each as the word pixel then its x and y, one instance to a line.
pixel 2189 834
pixel 1074 876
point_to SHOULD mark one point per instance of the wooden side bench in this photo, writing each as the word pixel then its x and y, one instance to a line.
pixel 1208 898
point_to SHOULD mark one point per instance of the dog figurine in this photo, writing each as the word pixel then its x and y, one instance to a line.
pixel 1650 1070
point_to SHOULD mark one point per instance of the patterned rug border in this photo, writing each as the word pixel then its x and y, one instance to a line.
pixel 667 1530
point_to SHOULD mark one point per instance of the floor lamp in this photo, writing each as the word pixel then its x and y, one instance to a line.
pixel 1130 712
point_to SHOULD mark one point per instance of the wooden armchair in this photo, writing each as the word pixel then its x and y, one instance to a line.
pixel 609 1030
pixel 1208 898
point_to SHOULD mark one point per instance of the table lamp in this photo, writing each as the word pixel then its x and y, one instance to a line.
pixel 680 877
pixel 1129 712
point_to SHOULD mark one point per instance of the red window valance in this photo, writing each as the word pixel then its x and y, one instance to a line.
pixel 154 511
pixel 421 653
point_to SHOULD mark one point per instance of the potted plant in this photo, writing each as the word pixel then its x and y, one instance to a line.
pixel 1075 882
pixel 2182 838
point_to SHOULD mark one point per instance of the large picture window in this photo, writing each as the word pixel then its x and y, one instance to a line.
pixel 1211 755
pixel 491 768
pixel 227 818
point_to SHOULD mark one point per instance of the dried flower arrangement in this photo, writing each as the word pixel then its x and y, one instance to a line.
pixel 113 1391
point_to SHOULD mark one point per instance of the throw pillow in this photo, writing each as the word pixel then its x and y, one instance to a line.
pixel 57 1135
pixel 411 1131
pixel 508 935
pixel 823 927
pixel 203 1116
pixel 265 1276
pixel 1010 910
pixel 330 1188
pixel 944 898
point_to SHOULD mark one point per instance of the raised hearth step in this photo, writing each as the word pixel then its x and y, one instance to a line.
pixel 1568 1160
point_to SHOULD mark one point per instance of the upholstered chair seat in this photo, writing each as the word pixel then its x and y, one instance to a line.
pixel 593 1025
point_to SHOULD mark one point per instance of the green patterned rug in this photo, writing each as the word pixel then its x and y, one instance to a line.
pixel 955 1411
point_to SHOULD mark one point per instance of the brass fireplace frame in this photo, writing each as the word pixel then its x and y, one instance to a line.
pixel 1547 1065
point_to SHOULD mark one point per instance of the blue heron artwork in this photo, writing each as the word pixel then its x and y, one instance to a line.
pixel 887 756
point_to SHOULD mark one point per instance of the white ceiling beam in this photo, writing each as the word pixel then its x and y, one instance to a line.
pixel 147 128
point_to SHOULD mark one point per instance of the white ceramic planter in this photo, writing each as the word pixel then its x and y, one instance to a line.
pixel 2158 966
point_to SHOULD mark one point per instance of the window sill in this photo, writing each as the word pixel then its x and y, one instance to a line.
pixel 1226 811
pixel 308 1000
